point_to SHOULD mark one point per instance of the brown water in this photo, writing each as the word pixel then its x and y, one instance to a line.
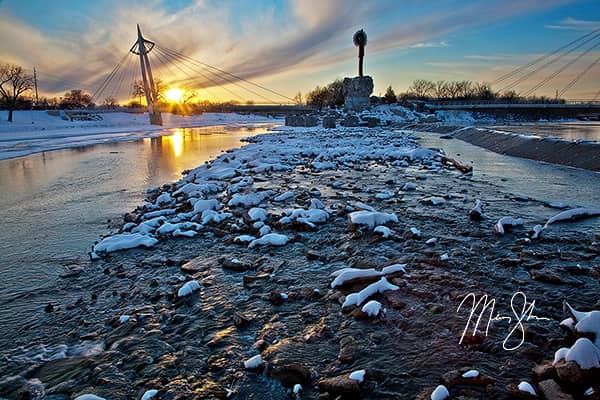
pixel 54 205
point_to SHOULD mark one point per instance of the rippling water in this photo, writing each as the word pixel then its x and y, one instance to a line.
pixel 566 130
pixel 54 205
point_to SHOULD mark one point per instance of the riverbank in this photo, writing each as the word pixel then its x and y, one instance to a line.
pixel 321 193
pixel 37 131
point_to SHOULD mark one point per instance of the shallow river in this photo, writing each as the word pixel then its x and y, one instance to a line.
pixel 54 205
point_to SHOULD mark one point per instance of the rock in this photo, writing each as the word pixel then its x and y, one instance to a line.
pixel 276 298
pixel 347 349
pixel 250 279
pixel 240 320
pixel 453 378
pixel 339 385
pixel 550 390
pixel 357 92
pixel 49 308
pixel 546 275
pixel 301 120
pixel 329 122
pixel 289 373
pixel 313 255
pixel 515 394
pixel 570 373
pixel 543 372
pixel 350 121
pixel 194 266
pixel 234 265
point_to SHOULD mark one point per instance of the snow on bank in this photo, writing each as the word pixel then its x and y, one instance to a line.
pixel 37 131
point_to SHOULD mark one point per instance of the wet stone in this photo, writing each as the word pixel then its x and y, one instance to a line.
pixel 550 390
pixel 347 349
pixel 289 372
pixel 339 385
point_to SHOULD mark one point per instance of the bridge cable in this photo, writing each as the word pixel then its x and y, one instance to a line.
pixel 232 75
pixel 169 58
pixel 233 82
pixel 553 75
pixel 578 77
pixel 555 59
pixel 523 67
pixel 109 77
pixel 192 78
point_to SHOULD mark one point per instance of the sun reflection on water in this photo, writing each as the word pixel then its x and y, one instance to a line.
pixel 176 141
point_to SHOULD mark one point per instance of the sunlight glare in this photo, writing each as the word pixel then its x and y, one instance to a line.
pixel 174 95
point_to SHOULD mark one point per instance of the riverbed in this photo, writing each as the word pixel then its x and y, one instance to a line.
pixel 54 205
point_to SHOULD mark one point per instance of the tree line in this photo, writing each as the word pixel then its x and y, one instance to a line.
pixel 332 95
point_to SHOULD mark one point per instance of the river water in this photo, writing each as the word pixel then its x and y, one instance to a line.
pixel 572 130
pixel 54 205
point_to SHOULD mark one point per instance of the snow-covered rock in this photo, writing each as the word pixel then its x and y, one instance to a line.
pixel 572 215
pixel 473 373
pixel 270 239
pixel 250 199
pixel 505 223
pixel 409 186
pixel 384 231
pixel 584 353
pixel 257 214
pixel 123 241
pixel 351 274
pixel 358 375
pixel 188 288
pixel 253 362
pixel 243 239
pixel 284 196
pixel 393 269
pixel 440 393
pixel 357 298
pixel 371 218
pixel 202 205
pixel 372 308
pixel 526 387
pixel 560 354
pixel 89 397
pixel 149 394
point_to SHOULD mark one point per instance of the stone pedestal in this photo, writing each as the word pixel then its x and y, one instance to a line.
pixel 357 92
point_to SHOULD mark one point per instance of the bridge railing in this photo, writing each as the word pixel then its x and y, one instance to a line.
pixel 507 101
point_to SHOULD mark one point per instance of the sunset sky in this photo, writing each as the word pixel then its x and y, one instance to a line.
pixel 293 46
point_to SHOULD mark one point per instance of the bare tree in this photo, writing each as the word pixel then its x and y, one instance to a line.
pixel 14 81
pixel 137 89
pixel 422 88
pixel 298 98
pixel 441 89
pixel 452 90
pixel 110 102
pixel 76 98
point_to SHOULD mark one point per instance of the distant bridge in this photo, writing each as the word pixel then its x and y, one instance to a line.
pixel 532 110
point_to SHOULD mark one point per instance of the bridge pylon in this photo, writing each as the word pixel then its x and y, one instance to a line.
pixel 142 47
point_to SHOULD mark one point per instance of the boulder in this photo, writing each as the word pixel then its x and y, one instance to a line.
pixel 357 92
pixel 552 391
pixel 339 385
pixel 329 122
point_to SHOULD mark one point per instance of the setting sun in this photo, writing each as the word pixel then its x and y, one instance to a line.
pixel 174 95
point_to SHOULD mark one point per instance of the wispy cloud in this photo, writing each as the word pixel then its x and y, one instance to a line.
pixel 314 35
pixel 575 25
pixel 421 45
